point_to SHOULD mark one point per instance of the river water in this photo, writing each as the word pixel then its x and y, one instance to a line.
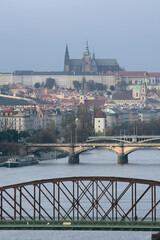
pixel 142 164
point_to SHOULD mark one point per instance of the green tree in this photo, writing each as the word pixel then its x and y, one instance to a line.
pixel 8 148
pixel 77 85
pixel 77 131
pixel 109 131
pixel 68 129
pixel 23 134
pixel 50 82
pixel 84 129
pixel 9 135
pixel 37 85
pixel 112 88
pixel 47 135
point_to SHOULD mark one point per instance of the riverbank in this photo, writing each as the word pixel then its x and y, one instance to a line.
pixel 47 155
pixel 42 157
pixel 3 159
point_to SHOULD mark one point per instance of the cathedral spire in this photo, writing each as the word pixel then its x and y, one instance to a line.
pixel 86 51
pixel 67 52
pixel 93 56
pixel 66 60
pixel 67 49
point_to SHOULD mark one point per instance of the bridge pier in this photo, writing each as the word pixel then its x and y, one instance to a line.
pixel 73 158
pixel 122 158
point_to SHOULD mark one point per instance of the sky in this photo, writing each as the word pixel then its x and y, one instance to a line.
pixel 34 33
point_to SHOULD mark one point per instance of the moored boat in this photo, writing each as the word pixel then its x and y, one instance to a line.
pixel 22 161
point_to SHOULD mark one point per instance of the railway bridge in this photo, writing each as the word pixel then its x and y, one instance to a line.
pixel 122 146
pixel 82 203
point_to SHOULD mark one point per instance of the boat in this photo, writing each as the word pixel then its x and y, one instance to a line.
pixel 22 161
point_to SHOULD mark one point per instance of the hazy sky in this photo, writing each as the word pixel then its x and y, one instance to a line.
pixel 34 33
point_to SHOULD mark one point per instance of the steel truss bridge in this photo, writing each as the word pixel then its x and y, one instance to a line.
pixel 81 203
pixel 125 138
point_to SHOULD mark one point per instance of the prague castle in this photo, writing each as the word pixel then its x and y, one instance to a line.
pixel 89 64
pixel 104 71
pixel 88 68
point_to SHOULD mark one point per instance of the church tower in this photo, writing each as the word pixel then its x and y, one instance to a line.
pixel 143 96
pixel 86 61
pixel 66 60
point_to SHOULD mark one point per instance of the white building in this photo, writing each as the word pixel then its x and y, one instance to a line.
pixel 99 122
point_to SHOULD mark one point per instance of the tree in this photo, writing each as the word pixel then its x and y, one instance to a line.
pixel 84 129
pixel 121 86
pixel 9 135
pixel 50 82
pixel 5 89
pixel 23 134
pixel 47 135
pixel 91 86
pixel 68 129
pixel 8 148
pixel 73 132
pixel 37 85
pixel 112 88
pixel 109 131
pixel 77 85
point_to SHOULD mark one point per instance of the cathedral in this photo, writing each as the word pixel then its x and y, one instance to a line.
pixel 89 64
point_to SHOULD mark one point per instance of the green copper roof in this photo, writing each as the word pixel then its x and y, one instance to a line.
pixel 143 83
pixel 137 87
pixel 86 51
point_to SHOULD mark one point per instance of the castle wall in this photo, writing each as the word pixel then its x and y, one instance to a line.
pixel 64 81
pixel 5 78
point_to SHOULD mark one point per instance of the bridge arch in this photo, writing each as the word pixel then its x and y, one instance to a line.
pixel 52 148
pixel 82 198
pixel 79 151
pixel 127 152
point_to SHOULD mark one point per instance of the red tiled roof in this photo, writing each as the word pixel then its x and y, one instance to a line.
pixel 122 96
pixel 154 74
pixel 127 74
pixel 133 74
pixel 95 102
pixel 9 112
pixel 99 114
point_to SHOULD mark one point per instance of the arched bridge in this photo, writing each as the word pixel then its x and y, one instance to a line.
pixel 100 203
pixel 122 149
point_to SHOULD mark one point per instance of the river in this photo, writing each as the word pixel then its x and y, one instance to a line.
pixel 142 164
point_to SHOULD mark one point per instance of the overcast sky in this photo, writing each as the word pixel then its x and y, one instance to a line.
pixel 34 33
